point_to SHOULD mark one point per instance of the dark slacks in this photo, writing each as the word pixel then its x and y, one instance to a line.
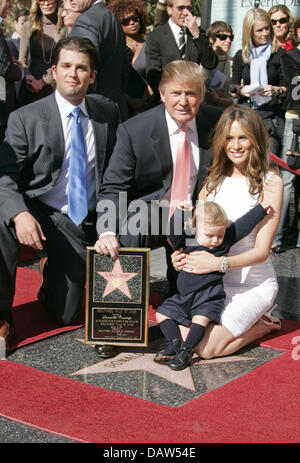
pixel 66 269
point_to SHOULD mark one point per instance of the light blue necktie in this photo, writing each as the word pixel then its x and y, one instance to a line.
pixel 77 193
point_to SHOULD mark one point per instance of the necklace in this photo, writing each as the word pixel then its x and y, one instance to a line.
pixel 51 50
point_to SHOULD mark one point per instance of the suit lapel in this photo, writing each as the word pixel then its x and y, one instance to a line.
pixel 100 130
pixel 188 47
pixel 52 122
pixel 161 148
pixel 170 41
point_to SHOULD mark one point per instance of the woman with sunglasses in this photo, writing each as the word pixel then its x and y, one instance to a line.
pixel 220 36
pixel 282 22
pixel 38 38
pixel 133 17
pixel 257 64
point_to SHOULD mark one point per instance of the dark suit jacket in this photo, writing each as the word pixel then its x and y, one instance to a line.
pixel 161 49
pixel 141 164
pixel 32 153
pixel 101 26
pixel 11 72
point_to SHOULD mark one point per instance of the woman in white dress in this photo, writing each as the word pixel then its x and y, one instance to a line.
pixel 239 177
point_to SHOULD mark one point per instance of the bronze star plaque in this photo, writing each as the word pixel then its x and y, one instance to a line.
pixel 117 298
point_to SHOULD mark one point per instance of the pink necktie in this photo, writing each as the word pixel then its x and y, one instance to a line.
pixel 181 172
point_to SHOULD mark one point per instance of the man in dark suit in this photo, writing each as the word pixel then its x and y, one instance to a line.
pixel 37 175
pixel 10 71
pixel 137 185
pixel 179 38
pixel 101 26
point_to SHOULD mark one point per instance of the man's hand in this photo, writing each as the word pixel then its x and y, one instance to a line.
pixel 35 86
pixel 29 231
pixel 191 23
pixel 108 245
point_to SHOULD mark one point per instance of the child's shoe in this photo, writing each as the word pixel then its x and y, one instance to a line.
pixel 169 352
pixel 182 359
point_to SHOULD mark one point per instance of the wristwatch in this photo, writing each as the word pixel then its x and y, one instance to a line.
pixel 224 264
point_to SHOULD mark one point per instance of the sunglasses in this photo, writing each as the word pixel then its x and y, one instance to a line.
pixel 280 21
pixel 223 37
pixel 135 18
pixel 181 8
pixel 49 2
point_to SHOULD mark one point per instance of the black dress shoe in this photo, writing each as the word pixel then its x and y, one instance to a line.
pixel 169 352
pixel 107 352
pixel 182 359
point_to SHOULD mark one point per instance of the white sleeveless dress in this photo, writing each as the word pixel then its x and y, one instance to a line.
pixel 250 291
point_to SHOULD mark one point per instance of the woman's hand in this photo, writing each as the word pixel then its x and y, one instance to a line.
pixel 201 262
pixel 178 260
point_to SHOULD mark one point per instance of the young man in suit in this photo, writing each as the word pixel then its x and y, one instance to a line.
pixel 48 145
pixel 10 70
pixel 140 174
pixel 101 26
pixel 178 38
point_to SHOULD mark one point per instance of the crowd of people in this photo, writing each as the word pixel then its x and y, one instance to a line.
pixel 101 111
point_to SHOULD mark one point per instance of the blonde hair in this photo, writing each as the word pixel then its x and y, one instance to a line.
pixel 185 71
pixel 255 14
pixel 210 213
pixel 258 163
pixel 36 17
pixel 288 13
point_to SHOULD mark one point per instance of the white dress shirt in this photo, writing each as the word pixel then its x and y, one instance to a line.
pixel 176 30
pixel 57 197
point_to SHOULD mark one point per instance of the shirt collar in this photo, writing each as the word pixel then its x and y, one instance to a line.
pixel 174 27
pixel 65 107
pixel 173 126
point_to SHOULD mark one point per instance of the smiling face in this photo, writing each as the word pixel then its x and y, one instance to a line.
pixel 261 32
pixel 280 29
pixel 238 148
pixel 73 75
pixel 182 100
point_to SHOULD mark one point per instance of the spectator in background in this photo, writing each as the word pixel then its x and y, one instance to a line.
pixel 258 63
pixel 10 72
pixel 69 16
pixel 133 17
pixel 179 38
pixel 14 42
pixel 290 62
pixel 282 22
pixel 218 80
pixel 99 24
pixel 38 38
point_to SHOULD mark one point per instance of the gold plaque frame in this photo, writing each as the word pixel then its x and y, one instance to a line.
pixel 117 297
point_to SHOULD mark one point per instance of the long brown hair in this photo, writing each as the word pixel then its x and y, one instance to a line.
pixel 258 164
pixel 36 17
pixel 284 9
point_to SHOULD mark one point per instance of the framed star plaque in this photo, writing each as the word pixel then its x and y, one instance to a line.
pixel 117 298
